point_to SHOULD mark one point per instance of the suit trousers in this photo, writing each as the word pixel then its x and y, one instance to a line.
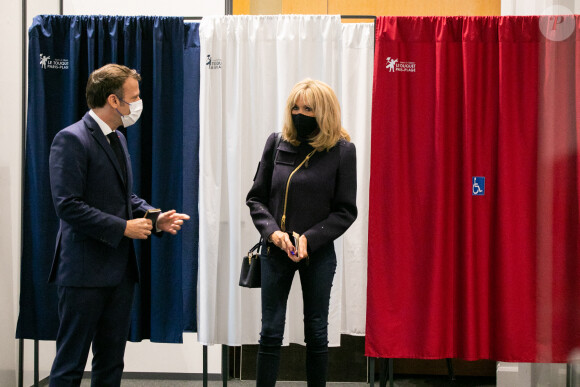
pixel 316 276
pixel 100 316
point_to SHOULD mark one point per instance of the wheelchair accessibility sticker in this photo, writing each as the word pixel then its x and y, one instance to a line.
pixel 478 186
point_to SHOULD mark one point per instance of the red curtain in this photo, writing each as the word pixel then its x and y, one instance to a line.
pixel 452 274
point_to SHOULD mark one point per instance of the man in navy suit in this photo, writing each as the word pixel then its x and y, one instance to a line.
pixel 95 267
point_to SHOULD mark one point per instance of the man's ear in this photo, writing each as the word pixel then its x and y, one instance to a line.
pixel 113 100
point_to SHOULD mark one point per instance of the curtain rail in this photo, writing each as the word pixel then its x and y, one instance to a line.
pixel 358 17
pixel 341 16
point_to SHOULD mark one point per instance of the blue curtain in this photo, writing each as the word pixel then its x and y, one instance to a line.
pixel 63 51
pixel 190 174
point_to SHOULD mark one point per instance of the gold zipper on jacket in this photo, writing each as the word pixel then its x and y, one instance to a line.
pixel 283 223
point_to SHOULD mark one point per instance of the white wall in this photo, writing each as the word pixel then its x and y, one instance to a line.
pixel 10 195
pixel 140 357
pixel 10 165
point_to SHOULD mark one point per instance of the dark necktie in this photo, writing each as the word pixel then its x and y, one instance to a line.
pixel 118 149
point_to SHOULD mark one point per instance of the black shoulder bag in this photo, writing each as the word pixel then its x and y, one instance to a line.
pixel 250 275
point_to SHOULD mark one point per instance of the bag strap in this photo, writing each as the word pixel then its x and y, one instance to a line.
pixel 276 144
pixel 278 135
pixel 257 246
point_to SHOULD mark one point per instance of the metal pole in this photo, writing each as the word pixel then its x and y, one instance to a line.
pixel 36 378
pixel 229 7
pixel 21 363
pixel 205 366
pixel 372 361
pixel 383 370
pixel 450 370
pixel 225 365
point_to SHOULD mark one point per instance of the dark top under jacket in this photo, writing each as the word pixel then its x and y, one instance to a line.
pixel 321 195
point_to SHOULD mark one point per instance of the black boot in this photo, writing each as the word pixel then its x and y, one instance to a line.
pixel 316 365
pixel 267 365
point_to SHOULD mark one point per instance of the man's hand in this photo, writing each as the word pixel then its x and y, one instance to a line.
pixel 171 221
pixel 139 228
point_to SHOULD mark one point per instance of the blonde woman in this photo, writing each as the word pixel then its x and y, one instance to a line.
pixel 302 199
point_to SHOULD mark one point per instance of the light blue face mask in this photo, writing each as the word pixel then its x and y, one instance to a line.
pixel 136 109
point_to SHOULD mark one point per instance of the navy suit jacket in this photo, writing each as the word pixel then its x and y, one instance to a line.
pixel 93 203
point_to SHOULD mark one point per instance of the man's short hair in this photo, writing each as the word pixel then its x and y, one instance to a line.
pixel 107 80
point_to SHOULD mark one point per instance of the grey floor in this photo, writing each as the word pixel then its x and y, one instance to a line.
pixel 421 381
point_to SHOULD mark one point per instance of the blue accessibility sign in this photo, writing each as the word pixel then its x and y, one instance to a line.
pixel 478 186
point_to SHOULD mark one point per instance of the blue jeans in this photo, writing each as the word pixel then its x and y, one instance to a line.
pixel 316 275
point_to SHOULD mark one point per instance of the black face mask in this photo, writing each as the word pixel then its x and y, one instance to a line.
pixel 305 126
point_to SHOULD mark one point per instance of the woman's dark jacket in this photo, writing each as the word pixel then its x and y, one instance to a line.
pixel 321 195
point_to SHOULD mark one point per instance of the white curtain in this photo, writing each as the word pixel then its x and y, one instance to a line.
pixel 539 7
pixel 357 82
pixel 248 66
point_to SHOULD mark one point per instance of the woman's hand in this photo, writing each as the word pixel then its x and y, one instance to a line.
pixel 282 240
pixel 303 243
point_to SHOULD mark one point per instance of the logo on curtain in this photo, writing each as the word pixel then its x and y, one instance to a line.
pixel 56 64
pixel 394 65
pixel 478 186
pixel 557 23
pixel 213 64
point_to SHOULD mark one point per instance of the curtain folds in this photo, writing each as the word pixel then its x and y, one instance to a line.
pixel 248 67
pixel 63 51
pixel 468 194
pixel 357 82
pixel 460 266
pixel 190 229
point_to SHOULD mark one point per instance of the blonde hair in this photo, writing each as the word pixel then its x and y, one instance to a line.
pixel 321 98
